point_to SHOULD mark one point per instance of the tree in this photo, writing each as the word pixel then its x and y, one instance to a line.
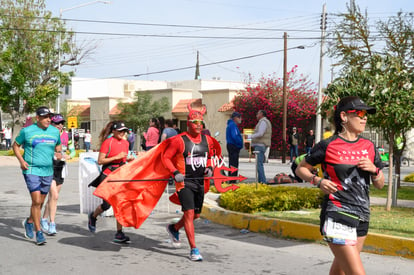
pixel 138 113
pixel 268 95
pixel 378 68
pixel 30 43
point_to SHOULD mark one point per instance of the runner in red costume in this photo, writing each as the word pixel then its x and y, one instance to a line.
pixel 188 158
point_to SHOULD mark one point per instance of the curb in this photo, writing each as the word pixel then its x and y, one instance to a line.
pixel 374 243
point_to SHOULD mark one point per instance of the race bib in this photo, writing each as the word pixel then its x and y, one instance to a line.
pixel 339 233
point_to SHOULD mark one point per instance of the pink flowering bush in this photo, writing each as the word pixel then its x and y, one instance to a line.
pixel 268 95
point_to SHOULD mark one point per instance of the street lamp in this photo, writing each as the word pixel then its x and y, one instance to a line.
pixel 284 121
pixel 60 39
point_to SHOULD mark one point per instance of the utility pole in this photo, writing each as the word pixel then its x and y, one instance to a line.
pixel 197 72
pixel 284 123
pixel 318 130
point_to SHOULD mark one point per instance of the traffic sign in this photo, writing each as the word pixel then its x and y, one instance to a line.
pixel 72 122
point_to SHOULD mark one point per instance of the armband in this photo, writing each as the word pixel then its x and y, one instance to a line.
pixel 377 170
pixel 319 183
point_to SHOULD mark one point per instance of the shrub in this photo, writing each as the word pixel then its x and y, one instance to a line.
pixel 248 199
pixel 409 177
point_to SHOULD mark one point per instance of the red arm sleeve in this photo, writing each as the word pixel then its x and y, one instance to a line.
pixel 170 158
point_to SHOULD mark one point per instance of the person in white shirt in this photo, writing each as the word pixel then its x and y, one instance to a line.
pixel 87 140
pixel 7 136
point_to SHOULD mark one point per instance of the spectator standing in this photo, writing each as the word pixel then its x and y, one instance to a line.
pixel 161 125
pixel 87 139
pixel 41 143
pixel 168 131
pixel 350 162
pixel 47 223
pixel 175 126
pixel 234 142
pixel 309 141
pixel 261 139
pixel 152 135
pixel 131 140
pixel 293 144
pixel 8 136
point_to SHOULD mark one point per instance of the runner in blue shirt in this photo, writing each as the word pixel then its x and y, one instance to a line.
pixel 41 142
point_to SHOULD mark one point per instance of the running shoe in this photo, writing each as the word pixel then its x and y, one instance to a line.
pixel 121 238
pixel 28 227
pixel 92 223
pixel 44 225
pixel 40 239
pixel 195 255
pixel 174 235
pixel 52 229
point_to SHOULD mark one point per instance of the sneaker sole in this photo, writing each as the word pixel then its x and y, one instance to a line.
pixel 172 238
pixel 196 259
pixel 51 234
pixel 121 242
pixel 24 227
pixel 40 243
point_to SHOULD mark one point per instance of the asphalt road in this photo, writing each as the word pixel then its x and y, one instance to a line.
pixel 74 250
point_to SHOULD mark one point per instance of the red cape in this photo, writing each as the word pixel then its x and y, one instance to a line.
pixel 133 201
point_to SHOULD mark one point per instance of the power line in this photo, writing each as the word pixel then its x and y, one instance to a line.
pixel 155 35
pixel 208 64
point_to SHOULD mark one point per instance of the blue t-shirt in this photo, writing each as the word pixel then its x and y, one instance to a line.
pixel 39 148
pixel 169 132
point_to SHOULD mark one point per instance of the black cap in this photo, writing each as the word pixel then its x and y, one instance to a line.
pixel 235 114
pixel 119 126
pixel 57 118
pixel 357 104
pixel 43 111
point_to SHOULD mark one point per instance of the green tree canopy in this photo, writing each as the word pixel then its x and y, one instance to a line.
pixel 378 67
pixel 31 43
pixel 138 113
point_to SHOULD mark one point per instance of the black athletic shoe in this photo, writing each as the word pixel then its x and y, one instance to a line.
pixel 91 223
pixel 121 238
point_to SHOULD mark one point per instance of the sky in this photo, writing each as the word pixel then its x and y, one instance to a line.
pixel 138 39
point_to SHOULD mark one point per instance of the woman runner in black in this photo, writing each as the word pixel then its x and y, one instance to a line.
pixel 349 162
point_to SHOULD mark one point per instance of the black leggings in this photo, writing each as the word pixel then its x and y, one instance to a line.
pixel 105 205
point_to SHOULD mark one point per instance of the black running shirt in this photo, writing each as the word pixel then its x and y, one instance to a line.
pixel 339 160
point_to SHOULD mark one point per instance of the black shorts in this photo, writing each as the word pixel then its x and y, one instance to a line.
pixel 361 228
pixel 57 175
pixel 191 199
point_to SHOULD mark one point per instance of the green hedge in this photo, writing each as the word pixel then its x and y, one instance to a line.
pixel 249 199
pixel 409 178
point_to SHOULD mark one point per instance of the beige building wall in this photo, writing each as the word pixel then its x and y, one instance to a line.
pixel 99 116
pixel 217 121
pixel 173 96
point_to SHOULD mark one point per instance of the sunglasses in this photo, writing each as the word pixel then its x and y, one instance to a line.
pixel 359 113
pixel 196 121
pixel 58 123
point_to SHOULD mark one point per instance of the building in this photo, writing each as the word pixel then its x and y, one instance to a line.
pixel 95 101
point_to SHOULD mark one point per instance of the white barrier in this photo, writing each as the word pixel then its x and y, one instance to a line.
pixel 88 171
